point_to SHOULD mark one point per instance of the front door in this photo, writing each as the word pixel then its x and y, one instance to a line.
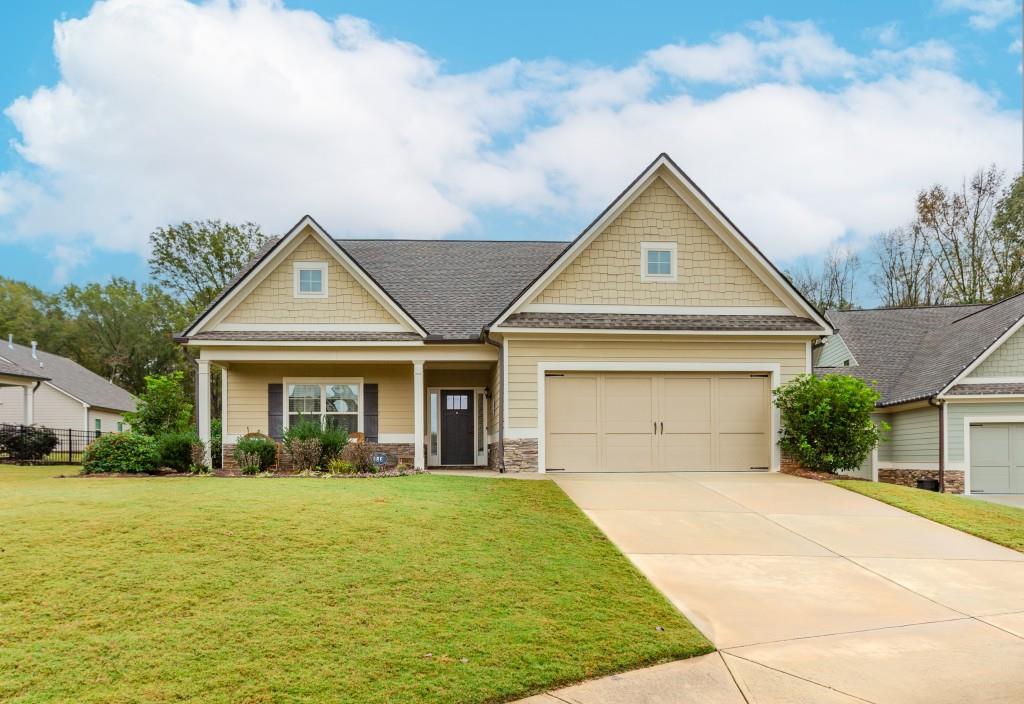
pixel 457 427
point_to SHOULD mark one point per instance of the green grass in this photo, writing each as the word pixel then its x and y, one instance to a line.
pixel 417 589
pixel 994 522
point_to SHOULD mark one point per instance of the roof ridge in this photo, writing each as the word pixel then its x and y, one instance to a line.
pixel 928 307
pixel 991 305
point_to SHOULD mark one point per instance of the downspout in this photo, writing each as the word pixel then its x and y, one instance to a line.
pixel 942 443
pixel 501 405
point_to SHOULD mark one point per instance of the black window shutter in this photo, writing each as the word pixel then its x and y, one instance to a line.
pixel 275 411
pixel 370 412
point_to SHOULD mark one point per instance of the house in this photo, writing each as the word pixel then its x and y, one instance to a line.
pixel 650 342
pixel 951 380
pixel 63 394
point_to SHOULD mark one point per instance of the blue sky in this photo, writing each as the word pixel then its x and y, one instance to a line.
pixel 810 123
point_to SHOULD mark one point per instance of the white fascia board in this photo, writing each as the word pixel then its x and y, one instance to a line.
pixel 66 393
pixel 802 334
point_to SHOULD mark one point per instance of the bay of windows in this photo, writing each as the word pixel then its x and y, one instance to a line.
pixel 331 404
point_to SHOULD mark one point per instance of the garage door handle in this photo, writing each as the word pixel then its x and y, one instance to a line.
pixel 662 424
pixel 655 427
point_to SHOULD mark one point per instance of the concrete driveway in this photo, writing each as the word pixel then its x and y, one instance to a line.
pixel 811 593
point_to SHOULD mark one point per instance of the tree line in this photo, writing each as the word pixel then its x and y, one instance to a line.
pixel 963 245
pixel 124 330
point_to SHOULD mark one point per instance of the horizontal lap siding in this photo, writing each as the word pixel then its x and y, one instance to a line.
pixel 956 412
pixel 914 436
pixel 50 408
pixel 524 355
pixel 247 392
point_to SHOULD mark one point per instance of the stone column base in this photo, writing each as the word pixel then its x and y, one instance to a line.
pixel 521 455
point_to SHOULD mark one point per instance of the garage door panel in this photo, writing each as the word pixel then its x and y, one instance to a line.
pixel 990 445
pixel 572 404
pixel 743 451
pixel 685 451
pixel 742 406
pixel 686 404
pixel 997 458
pixel 573 452
pixel 628 405
pixel 628 452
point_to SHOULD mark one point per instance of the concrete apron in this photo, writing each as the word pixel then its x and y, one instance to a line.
pixel 811 593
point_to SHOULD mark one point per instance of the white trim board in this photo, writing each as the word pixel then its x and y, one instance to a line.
pixel 986 420
pixel 691 194
pixel 773 368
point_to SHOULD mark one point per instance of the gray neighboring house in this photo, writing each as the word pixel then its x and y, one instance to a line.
pixel 952 385
pixel 56 392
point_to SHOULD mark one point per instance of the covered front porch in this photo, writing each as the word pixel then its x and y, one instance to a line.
pixel 428 405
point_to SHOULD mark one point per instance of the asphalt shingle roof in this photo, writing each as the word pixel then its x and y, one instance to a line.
pixel 307 336
pixel 11 369
pixel 636 321
pixel 914 353
pixel 986 389
pixel 71 377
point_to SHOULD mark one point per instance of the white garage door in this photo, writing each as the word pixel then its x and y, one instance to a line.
pixel 604 422
pixel 997 458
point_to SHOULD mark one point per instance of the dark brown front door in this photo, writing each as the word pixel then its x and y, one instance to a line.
pixel 456 427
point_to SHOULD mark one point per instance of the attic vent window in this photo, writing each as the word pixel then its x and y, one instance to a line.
pixel 658 261
pixel 310 279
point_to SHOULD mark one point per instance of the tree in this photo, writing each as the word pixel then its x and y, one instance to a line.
pixel 163 407
pixel 193 261
pixel 826 422
pixel 958 224
pixel 123 331
pixel 1008 235
pixel 29 314
pixel 905 270
pixel 830 287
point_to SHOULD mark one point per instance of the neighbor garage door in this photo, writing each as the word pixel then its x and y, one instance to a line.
pixel 997 458
pixel 605 422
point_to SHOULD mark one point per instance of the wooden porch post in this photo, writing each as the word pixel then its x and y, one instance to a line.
pixel 203 405
pixel 418 421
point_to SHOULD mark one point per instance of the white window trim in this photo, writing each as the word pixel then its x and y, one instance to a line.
pixel 670 247
pixel 310 266
pixel 322 382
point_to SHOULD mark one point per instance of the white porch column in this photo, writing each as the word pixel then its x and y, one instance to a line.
pixel 29 408
pixel 418 422
pixel 203 405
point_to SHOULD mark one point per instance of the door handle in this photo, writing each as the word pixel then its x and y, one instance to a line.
pixel 662 424
pixel 655 427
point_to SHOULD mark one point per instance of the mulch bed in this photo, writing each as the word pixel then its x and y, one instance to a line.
pixel 818 475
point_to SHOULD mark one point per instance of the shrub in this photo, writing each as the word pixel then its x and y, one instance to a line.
pixel 261 446
pixel 360 455
pixel 330 440
pixel 26 443
pixel 248 462
pixel 163 407
pixel 132 453
pixel 826 422
pixel 305 454
pixel 198 457
pixel 216 442
pixel 340 466
pixel 175 450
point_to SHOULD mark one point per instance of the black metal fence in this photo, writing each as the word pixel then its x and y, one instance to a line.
pixel 34 444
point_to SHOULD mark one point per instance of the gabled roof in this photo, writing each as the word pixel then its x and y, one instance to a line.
pixel 917 353
pixel 8 368
pixel 70 377
pixel 664 165
pixel 267 253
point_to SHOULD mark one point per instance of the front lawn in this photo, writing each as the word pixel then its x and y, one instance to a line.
pixel 999 524
pixel 417 589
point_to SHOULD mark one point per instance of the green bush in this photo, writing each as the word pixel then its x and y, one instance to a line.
pixel 175 450
pixel 26 443
pixel 826 422
pixel 163 407
pixel 330 442
pixel 339 466
pixel 198 464
pixel 259 445
pixel 216 442
pixel 131 453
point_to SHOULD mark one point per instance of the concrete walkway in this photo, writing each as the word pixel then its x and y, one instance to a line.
pixel 810 592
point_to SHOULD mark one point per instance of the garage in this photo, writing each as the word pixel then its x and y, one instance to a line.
pixel 639 422
pixel 997 458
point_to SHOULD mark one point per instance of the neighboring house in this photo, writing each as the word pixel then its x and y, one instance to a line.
pixel 650 342
pixel 65 396
pixel 952 385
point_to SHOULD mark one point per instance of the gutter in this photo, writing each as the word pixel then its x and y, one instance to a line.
pixel 486 336
pixel 941 404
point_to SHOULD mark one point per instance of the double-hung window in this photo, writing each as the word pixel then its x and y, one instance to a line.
pixel 330 403
pixel 658 261
pixel 310 279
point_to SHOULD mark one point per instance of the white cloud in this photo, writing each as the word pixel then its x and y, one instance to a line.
pixel 168 110
pixel 984 14
pixel 66 257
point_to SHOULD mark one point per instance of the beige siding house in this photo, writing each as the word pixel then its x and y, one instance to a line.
pixel 650 342
pixel 66 396
pixel 952 385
